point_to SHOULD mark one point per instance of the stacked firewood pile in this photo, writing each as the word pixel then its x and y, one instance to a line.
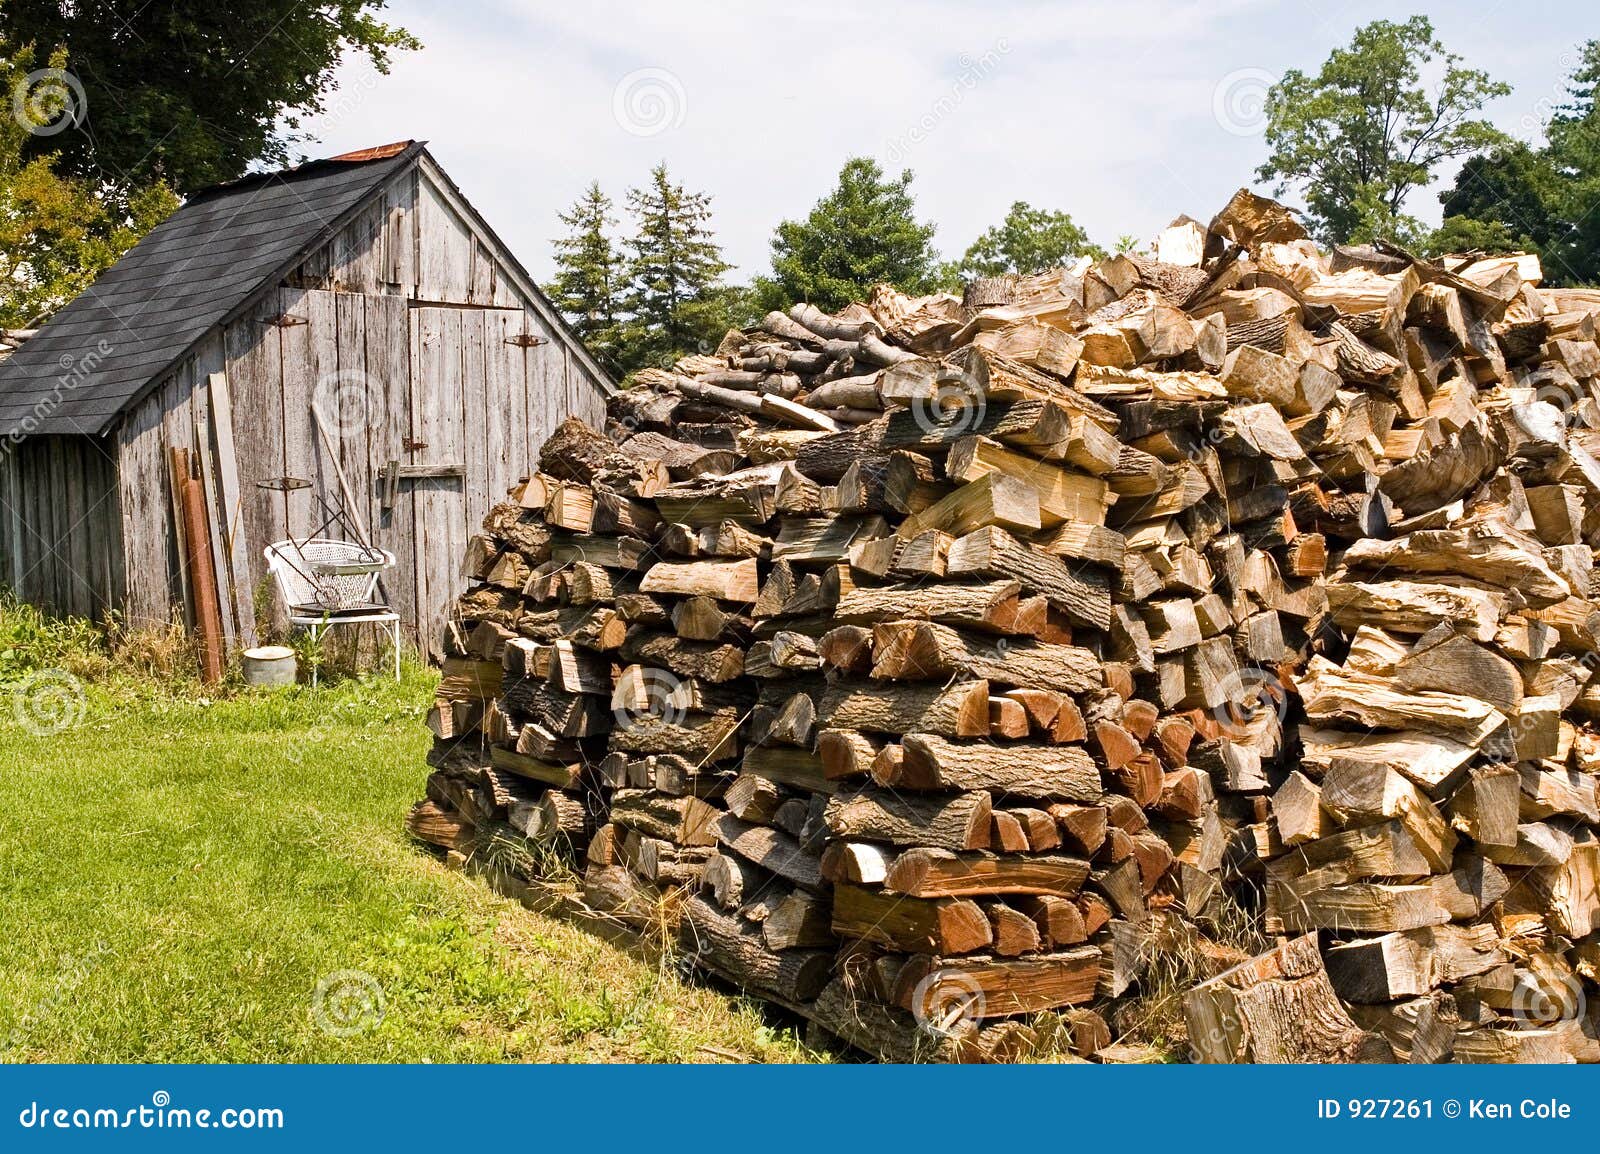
pixel 936 664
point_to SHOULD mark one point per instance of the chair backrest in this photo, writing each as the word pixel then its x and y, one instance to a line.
pixel 291 565
pixel 294 587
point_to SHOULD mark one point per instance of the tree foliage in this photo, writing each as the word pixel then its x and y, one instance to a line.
pixel 588 283
pixel 1028 240
pixel 676 300
pixel 654 294
pixel 191 90
pixel 862 233
pixel 1539 199
pixel 57 233
pixel 1365 132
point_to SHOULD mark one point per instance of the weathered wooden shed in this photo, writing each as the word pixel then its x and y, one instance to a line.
pixel 363 289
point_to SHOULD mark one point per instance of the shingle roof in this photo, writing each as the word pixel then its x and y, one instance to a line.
pixel 101 351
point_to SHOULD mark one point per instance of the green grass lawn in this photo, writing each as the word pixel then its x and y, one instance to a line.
pixel 178 875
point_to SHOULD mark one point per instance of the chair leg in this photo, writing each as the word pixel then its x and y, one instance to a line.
pixel 394 629
pixel 316 655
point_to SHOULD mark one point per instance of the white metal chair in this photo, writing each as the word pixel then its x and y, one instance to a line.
pixel 325 583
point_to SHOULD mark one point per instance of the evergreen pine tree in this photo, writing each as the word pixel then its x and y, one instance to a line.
pixel 587 285
pixel 676 301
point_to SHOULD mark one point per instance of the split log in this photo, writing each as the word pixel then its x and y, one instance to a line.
pixel 930 873
pixel 1279 1007
pixel 944 925
pixel 954 823
pixel 737 953
pixel 921 650
pixel 961 710
pixel 1046 773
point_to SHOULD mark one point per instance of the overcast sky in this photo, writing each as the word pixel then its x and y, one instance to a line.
pixel 1124 113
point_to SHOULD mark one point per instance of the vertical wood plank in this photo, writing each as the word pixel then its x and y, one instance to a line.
pixel 255 386
pixel 109 538
pixel 10 521
pixel 310 364
pixel 444 252
pixel 362 407
pixel 143 512
pixel 547 383
pixel 403 234
pixel 388 326
pixel 441 511
pixel 476 439
pixel 208 358
pixel 235 541
pixel 505 425
pixel 425 353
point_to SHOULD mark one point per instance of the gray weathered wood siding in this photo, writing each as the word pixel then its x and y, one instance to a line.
pixel 60 540
pixel 421 349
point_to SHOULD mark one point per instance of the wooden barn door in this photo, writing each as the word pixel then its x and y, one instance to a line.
pixel 437 457
pixel 485 382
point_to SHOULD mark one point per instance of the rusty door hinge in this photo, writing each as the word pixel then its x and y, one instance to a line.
pixel 526 341
pixel 285 320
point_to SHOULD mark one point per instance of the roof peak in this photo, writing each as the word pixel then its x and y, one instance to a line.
pixel 308 167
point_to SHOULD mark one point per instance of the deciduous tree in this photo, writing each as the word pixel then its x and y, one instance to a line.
pixel 1363 133
pixel 192 90
pixel 1029 240
pixel 1542 199
pixel 57 233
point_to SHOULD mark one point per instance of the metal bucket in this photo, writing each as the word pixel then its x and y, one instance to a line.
pixel 271 665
